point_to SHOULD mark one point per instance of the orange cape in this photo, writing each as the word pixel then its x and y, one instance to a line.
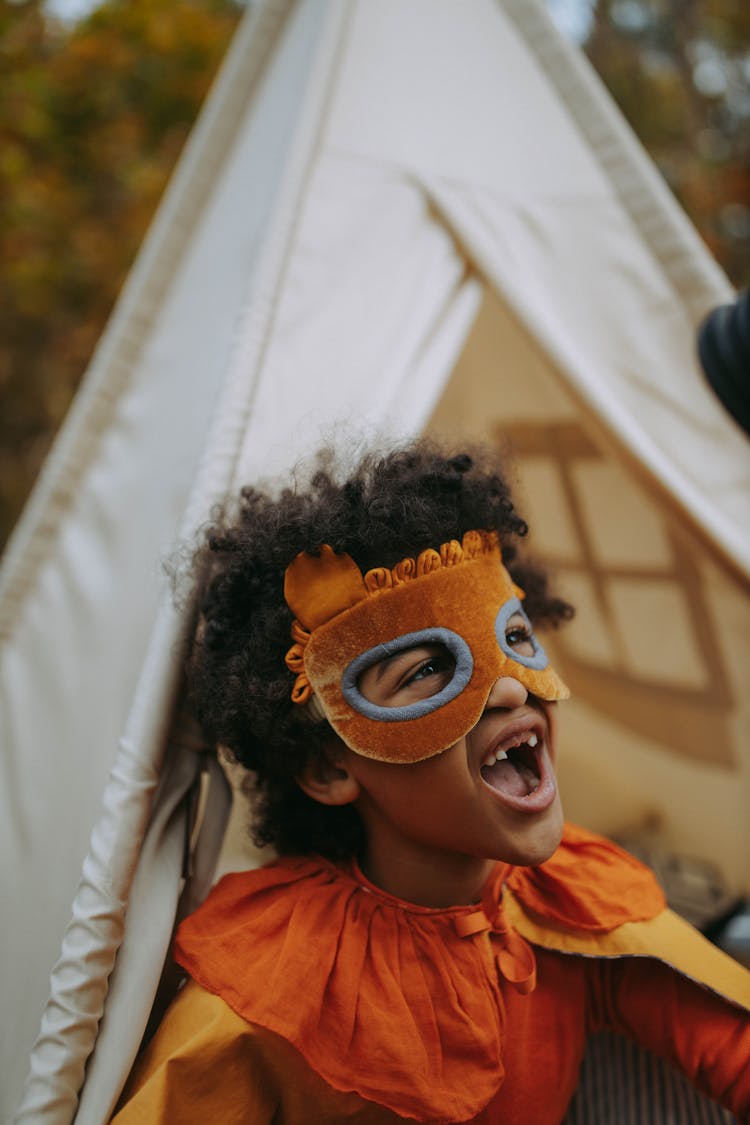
pixel 403 1004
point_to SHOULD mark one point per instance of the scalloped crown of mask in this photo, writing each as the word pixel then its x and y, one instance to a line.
pixel 460 597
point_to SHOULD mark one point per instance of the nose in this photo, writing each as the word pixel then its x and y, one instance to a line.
pixel 507 692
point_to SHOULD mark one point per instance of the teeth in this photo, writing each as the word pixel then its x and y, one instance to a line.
pixel 491 758
pixel 501 755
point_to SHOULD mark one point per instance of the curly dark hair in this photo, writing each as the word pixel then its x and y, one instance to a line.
pixel 391 506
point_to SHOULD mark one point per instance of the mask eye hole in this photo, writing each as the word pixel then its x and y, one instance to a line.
pixel 408 676
pixel 515 636
pixel 519 636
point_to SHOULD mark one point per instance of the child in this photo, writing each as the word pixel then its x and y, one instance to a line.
pixel 433 944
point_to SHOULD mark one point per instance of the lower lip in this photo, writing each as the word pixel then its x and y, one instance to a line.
pixel 542 797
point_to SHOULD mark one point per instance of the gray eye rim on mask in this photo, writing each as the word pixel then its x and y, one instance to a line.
pixel 539 660
pixel 462 673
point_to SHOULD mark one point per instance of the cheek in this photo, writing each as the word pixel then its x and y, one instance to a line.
pixel 411 789
pixel 385 782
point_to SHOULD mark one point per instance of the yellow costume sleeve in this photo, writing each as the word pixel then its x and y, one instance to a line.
pixel 207 1064
pixel 202 1065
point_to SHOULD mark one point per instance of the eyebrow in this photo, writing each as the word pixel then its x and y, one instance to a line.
pixel 381 666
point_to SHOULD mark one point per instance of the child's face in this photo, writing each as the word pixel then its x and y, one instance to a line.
pixel 352 630
pixel 462 801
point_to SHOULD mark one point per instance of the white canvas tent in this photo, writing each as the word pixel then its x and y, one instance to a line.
pixel 393 215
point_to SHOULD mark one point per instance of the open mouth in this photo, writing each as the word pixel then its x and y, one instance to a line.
pixel 518 769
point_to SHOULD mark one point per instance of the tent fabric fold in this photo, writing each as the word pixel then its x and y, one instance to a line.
pixel 643 406
pixel 153 906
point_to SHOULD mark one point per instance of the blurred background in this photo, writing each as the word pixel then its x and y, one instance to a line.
pixel 97 100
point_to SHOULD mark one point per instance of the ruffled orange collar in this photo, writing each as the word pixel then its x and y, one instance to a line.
pixel 401 1004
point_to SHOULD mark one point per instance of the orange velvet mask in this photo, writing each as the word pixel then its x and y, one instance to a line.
pixel 460 597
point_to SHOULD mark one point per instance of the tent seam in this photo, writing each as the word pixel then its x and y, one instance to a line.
pixel 639 187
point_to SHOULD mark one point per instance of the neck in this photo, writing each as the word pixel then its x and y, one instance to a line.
pixel 426 879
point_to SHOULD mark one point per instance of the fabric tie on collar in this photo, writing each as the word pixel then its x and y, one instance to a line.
pixel 460 597
pixel 514 958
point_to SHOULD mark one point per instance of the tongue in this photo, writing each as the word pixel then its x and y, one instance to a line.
pixel 504 777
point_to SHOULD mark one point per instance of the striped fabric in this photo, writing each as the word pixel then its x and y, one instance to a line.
pixel 622 1084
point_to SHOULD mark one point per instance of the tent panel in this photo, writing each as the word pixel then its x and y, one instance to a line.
pixel 371 282
pixel 428 114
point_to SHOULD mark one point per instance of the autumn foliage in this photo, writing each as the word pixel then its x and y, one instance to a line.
pixel 680 72
pixel 93 118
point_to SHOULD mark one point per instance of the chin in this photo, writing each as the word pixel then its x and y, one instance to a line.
pixel 538 858
pixel 540 842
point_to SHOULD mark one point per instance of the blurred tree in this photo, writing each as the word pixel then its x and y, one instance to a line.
pixel 94 115
pixel 680 72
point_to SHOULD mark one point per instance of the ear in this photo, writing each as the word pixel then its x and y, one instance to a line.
pixel 327 779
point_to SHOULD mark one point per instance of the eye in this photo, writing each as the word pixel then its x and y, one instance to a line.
pixel 440 665
pixel 413 674
pixel 518 635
